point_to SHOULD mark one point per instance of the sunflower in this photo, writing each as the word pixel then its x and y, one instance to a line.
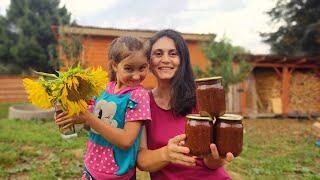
pixel 72 89
pixel 98 78
pixel 37 93
pixel 79 86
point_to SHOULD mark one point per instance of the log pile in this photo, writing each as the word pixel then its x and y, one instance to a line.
pixel 304 92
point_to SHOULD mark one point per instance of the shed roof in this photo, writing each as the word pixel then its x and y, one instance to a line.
pixel 278 60
pixel 113 32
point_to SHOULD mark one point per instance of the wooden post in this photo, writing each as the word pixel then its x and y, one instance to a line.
pixel 243 97
pixel 285 90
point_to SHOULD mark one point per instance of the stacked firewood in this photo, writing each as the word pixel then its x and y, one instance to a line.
pixel 304 92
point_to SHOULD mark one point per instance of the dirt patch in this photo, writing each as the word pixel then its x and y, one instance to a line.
pixel 19 176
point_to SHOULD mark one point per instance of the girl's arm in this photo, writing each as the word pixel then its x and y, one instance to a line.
pixel 123 138
pixel 154 160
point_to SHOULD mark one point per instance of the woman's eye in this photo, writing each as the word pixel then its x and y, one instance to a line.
pixel 173 54
pixel 157 53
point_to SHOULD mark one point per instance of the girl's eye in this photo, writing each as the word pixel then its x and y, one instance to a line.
pixel 142 68
pixel 128 69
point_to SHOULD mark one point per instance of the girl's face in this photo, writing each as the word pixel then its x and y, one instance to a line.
pixel 165 59
pixel 132 70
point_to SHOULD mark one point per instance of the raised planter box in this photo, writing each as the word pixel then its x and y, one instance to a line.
pixel 28 112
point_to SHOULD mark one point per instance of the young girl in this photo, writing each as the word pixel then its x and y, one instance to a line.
pixel 115 125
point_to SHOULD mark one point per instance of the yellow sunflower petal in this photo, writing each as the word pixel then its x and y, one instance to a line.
pixel 37 94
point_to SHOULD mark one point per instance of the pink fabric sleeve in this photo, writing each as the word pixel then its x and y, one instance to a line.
pixel 142 111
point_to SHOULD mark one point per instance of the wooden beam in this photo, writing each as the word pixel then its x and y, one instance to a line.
pixel 291 70
pixel 243 97
pixel 285 90
pixel 259 60
pixel 278 72
pixel 311 66
pixel 284 59
pixel 303 60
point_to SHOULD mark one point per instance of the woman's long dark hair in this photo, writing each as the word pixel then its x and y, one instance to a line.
pixel 183 97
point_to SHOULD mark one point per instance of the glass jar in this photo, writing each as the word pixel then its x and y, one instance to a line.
pixel 199 131
pixel 228 135
pixel 210 96
pixel 65 133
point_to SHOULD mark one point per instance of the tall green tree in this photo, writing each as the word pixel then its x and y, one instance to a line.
pixel 226 60
pixel 293 36
pixel 27 40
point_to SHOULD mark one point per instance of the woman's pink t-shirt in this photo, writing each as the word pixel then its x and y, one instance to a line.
pixel 164 126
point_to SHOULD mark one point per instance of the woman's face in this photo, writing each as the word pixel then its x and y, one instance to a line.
pixel 165 59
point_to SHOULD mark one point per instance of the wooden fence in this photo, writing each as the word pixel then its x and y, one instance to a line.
pixel 12 90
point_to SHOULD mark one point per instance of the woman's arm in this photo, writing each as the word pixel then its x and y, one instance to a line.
pixel 151 160
pixel 154 160
pixel 123 138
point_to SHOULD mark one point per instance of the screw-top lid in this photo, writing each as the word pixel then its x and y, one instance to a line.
pixel 209 78
pixel 197 117
pixel 231 117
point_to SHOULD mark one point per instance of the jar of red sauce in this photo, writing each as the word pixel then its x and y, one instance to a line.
pixel 228 135
pixel 210 96
pixel 199 132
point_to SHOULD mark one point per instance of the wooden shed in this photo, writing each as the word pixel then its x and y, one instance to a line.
pixel 96 42
pixel 289 86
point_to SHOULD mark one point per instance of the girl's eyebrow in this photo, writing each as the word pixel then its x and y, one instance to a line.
pixel 164 49
pixel 133 64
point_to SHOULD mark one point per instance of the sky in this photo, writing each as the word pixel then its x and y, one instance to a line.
pixel 239 20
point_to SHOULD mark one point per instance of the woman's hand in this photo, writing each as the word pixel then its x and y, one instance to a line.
pixel 214 161
pixel 176 153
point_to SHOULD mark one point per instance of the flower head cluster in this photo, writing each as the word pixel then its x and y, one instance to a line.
pixel 72 89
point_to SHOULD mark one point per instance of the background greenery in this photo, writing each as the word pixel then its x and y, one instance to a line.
pixel 298 28
pixel 26 37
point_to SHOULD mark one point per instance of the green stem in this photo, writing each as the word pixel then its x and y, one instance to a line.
pixel 45 74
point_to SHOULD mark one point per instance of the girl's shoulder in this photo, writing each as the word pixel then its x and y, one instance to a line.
pixel 140 92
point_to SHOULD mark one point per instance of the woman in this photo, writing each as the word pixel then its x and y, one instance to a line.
pixel 161 151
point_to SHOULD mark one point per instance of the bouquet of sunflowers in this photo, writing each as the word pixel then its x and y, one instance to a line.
pixel 70 89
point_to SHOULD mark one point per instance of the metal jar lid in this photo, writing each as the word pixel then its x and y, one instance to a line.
pixel 209 78
pixel 197 117
pixel 231 117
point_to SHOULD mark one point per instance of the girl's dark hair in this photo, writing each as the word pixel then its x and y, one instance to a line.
pixel 121 48
pixel 183 97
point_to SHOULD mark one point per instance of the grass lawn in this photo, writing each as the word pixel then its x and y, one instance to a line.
pixel 273 149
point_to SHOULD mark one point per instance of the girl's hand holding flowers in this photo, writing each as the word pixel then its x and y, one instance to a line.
pixel 65 121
